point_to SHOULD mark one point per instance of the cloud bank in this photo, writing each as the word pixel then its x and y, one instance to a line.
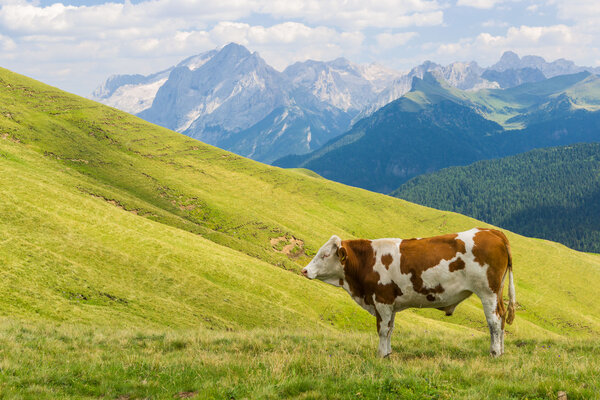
pixel 75 46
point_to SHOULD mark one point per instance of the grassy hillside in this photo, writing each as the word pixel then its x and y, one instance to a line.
pixel 550 193
pixel 138 262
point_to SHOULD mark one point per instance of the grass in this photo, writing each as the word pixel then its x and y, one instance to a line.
pixel 113 229
pixel 71 361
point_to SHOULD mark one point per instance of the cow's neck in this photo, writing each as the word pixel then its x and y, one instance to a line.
pixel 334 281
pixel 351 285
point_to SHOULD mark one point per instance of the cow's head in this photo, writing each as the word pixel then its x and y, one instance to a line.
pixel 327 265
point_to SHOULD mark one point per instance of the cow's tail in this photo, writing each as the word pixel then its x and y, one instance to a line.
pixel 512 299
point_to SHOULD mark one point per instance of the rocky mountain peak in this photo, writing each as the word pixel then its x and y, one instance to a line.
pixel 509 60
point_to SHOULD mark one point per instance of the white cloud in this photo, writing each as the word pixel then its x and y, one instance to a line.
pixel 550 42
pixel 24 17
pixel 484 4
pixel 387 41
pixel 584 14
pixel 577 8
pixel 358 14
pixel 6 43
pixel 492 23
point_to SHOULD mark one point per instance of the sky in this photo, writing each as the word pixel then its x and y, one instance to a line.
pixel 76 45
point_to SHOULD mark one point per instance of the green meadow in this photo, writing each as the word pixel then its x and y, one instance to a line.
pixel 138 263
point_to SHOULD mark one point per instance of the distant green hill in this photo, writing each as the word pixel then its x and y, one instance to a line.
pixel 551 193
pixel 435 126
pixel 136 262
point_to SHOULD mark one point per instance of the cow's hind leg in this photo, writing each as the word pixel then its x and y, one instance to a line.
pixel 385 324
pixel 495 323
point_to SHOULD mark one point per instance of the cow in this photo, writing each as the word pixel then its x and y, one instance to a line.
pixel 385 276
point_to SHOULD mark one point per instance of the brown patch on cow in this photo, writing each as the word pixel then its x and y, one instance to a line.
pixel 456 265
pixel 386 260
pixel 430 297
pixel 492 248
pixel 387 293
pixel 418 255
pixel 361 277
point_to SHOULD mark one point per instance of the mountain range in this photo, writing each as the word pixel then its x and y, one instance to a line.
pixel 233 99
pixel 435 125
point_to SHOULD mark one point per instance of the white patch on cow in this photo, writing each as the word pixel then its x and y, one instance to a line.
pixel 382 247
pixel 467 237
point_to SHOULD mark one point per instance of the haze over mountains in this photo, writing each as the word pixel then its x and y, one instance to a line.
pixel 233 99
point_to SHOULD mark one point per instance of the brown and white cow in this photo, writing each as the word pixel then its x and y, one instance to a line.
pixel 385 276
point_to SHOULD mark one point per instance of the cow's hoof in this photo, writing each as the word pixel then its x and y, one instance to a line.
pixel 495 354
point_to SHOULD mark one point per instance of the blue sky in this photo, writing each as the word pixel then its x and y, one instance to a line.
pixel 75 45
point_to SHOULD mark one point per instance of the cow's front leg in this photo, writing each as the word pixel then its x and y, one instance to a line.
pixel 385 324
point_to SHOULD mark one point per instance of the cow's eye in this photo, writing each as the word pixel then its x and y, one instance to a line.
pixel 325 255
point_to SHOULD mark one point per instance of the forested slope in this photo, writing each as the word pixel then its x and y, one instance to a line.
pixel 551 193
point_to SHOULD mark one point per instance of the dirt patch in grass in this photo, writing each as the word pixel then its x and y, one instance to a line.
pixel 116 203
pixel 7 136
pixel 185 395
pixel 288 245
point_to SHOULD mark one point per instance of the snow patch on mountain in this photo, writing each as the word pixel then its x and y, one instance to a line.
pixel 134 98
pixel 340 83
pixel 195 62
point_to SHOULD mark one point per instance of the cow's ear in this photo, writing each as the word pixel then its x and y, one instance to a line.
pixel 336 241
pixel 342 254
